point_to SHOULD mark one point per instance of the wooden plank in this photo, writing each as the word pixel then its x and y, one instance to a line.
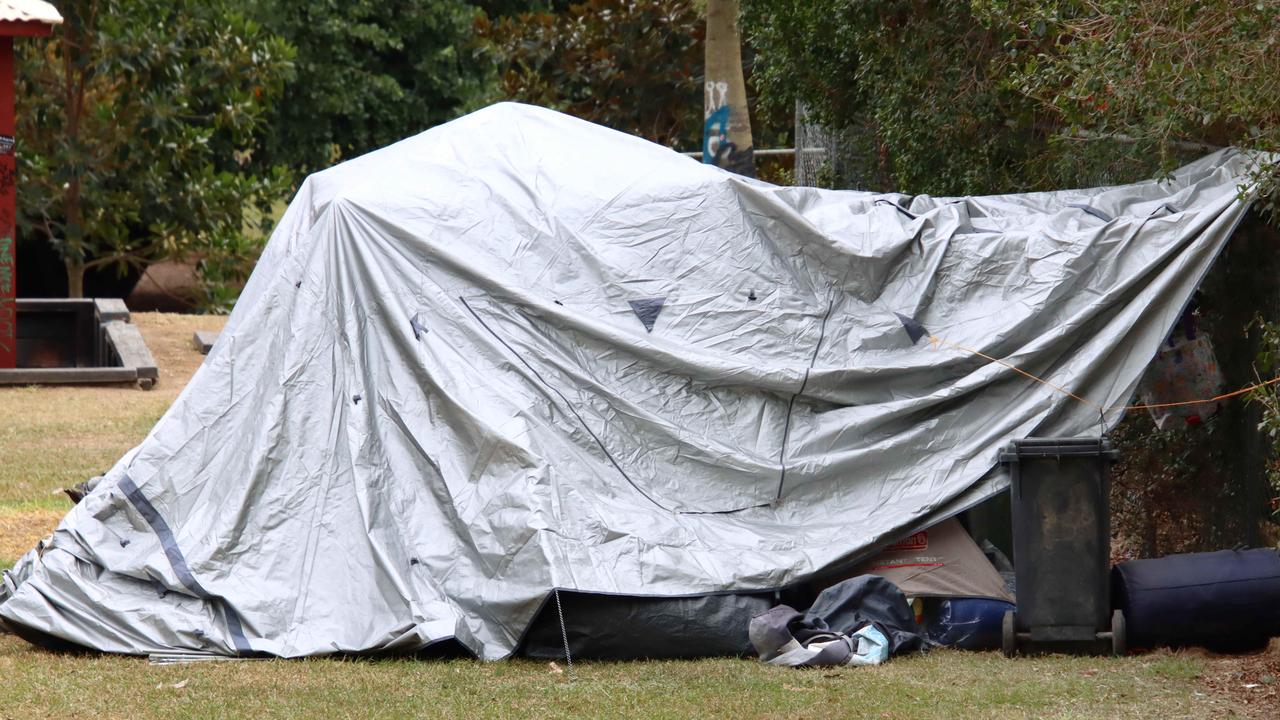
pixel 127 341
pixel 57 376
pixel 53 304
pixel 111 310
pixel 204 340
pixel 86 333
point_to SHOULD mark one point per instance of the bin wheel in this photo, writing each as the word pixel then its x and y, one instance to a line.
pixel 1119 643
pixel 1008 634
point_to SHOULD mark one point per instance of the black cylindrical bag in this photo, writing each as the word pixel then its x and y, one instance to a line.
pixel 1227 600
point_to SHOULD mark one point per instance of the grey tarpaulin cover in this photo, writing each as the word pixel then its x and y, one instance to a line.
pixel 520 352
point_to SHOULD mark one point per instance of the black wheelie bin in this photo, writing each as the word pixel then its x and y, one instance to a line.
pixel 1061 548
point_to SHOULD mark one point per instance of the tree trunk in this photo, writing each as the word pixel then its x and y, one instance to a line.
pixel 75 279
pixel 726 133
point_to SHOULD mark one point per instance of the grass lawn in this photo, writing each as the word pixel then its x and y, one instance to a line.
pixel 54 437
pixel 944 684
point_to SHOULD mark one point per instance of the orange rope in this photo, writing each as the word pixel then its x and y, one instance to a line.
pixel 935 340
pixel 1215 398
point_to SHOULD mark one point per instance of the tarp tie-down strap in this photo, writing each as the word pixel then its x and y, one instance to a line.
pixel 896 206
pixel 178 561
pixel 1091 210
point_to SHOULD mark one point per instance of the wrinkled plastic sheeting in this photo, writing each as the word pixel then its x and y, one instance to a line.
pixel 437 398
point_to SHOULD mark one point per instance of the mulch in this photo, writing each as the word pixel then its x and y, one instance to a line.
pixel 1249 682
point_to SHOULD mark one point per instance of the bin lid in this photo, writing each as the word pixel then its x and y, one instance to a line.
pixel 1058 447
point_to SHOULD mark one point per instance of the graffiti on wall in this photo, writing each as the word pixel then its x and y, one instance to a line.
pixel 8 182
pixel 717 148
pixel 715 136
pixel 8 312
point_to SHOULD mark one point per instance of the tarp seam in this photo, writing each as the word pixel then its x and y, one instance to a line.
pixel 568 404
pixel 786 427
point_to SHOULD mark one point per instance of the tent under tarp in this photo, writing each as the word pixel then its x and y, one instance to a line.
pixel 939 562
pixel 521 352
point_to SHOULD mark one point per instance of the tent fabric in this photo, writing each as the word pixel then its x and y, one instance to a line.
pixel 434 401
pixel 941 561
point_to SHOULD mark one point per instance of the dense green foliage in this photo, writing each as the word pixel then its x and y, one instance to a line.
pixel 990 95
pixel 136 119
pixel 369 73
pixel 1132 83
pixel 158 130
pixel 908 82
pixel 634 65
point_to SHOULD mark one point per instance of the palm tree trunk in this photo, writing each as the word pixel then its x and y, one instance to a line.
pixel 726 134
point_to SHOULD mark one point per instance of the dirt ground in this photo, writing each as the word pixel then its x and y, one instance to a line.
pixel 1248 681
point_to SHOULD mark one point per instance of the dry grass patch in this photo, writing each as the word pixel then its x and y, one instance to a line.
pixel 53 437
pixel 22 527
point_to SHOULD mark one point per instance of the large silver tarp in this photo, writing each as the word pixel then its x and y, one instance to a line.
pixel 520 352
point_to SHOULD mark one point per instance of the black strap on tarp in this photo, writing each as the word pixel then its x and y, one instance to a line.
pixel 178 562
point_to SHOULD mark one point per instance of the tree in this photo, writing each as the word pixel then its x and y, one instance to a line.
pixel 909 82
pixel 969 97
pixel 633 65
pixel 1150 81
pixel 135 121
pixel 509 8
pixel 370 73
pixel 726 133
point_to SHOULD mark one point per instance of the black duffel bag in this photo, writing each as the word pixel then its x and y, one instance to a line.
pixel 1227 601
